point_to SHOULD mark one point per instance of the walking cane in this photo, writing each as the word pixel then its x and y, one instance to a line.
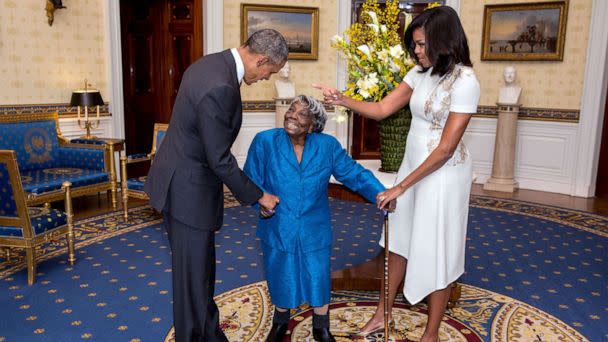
pixel 386 252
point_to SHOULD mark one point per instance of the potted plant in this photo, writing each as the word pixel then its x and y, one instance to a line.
pixel 377 63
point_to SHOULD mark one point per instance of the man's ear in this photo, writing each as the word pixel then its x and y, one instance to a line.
pixel 262 60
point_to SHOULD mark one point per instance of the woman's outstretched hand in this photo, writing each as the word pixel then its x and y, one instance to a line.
pixel 387 199
pixel 330 95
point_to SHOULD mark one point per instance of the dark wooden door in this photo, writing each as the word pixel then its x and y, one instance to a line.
pixel 160 39
pixel 366 134
pixel 601 187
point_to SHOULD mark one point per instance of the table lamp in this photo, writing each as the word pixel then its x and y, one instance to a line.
pixel 86 98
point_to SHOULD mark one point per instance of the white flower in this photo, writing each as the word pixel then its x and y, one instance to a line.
pixel 373 78
pixel 374 17
pixel 383 28
pixel 366 83
pixel 337 39
pixel 365 49
pixel 393 67
pixel 374 27
pixel 408 19
pixel 341 114
pixel 384 56
pixel 396 51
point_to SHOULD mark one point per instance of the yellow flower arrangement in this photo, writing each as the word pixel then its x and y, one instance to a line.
pixel 376 59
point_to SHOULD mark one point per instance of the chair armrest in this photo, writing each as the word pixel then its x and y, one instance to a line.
pixel 82 157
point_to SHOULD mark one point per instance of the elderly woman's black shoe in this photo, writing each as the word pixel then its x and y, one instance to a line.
pixel 277 333
pixel 323 335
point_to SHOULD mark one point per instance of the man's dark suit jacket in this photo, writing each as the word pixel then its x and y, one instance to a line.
pixel 194 159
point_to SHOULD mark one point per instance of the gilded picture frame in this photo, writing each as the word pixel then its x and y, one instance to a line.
pixel 525 31
pixel 299 26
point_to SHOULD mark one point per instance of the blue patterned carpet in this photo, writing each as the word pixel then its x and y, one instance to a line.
pixel 120 287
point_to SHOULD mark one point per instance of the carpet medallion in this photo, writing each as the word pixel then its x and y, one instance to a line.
pixel 246 315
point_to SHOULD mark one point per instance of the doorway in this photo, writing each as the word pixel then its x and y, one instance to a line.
pixel 159 39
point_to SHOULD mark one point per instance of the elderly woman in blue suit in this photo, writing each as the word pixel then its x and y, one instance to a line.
pixel 296 163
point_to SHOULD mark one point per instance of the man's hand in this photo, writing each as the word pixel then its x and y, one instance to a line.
pixel 268 201
pixel 267 204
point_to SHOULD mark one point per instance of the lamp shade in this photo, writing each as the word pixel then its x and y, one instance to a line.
pixel 86 98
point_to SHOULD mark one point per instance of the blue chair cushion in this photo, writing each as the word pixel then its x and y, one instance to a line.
pixel 35 143
pixel 42 219
pixel 83 158
pixel 40 181
pixel 136 184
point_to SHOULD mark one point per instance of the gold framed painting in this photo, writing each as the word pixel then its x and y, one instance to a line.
pixel 299 26
pixel 524 32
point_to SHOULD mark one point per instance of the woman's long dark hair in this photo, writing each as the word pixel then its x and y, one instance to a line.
pixel 446 42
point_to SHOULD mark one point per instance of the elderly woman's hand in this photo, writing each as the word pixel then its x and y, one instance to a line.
pixel 387 199
pixel 331 95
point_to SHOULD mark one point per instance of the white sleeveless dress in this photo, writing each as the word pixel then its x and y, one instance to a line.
pixel 429 225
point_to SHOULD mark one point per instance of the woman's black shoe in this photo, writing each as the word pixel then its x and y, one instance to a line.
pixel 323 335
pixel 277 333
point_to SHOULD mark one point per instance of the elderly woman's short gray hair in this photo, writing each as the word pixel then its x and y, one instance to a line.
pixel 315 109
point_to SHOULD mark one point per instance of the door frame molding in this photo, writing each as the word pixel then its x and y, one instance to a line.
pixel 593 99
pixel 114 67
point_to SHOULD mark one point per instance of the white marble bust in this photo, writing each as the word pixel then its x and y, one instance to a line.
pixel 285 88
pixel 510 92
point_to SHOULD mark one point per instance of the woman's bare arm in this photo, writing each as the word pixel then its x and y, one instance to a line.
pixel 390 104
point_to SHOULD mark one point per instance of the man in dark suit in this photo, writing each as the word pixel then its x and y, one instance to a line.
pixel 186 179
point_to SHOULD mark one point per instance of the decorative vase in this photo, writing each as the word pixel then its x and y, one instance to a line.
pixel 393 135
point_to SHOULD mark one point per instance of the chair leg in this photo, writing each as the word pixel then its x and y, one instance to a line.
pixel 70 217
pixel 113 187
pixel 124 187
pixel 30 259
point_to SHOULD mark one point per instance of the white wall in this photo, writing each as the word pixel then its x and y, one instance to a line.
pixel 545 153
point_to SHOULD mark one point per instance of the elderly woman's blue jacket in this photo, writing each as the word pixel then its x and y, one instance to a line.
pixel 302 217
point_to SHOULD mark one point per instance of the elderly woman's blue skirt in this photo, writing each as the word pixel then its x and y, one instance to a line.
pixel 296 277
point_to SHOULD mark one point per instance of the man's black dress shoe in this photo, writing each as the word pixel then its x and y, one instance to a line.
pixel 277 333
pixel 323 335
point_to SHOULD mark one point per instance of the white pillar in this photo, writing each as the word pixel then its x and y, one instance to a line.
pixel 503 166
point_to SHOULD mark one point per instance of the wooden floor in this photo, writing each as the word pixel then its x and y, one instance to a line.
pixel 367 276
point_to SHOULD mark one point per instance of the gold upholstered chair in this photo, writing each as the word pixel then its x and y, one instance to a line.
pixel 30 227
pixel 133 187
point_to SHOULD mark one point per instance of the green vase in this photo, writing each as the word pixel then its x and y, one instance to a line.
pixel 393 135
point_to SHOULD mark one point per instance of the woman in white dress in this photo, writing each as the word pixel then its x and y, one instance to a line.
pixel 428 227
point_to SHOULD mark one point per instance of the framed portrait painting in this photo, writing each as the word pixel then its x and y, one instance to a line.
pixel 524 32
pixel 299 26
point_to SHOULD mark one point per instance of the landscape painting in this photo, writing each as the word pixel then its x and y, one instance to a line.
pixel 524 31
pixel 299 26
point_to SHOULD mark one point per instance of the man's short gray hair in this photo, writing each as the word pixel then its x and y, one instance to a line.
pixel 315 109
pixel 269 42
